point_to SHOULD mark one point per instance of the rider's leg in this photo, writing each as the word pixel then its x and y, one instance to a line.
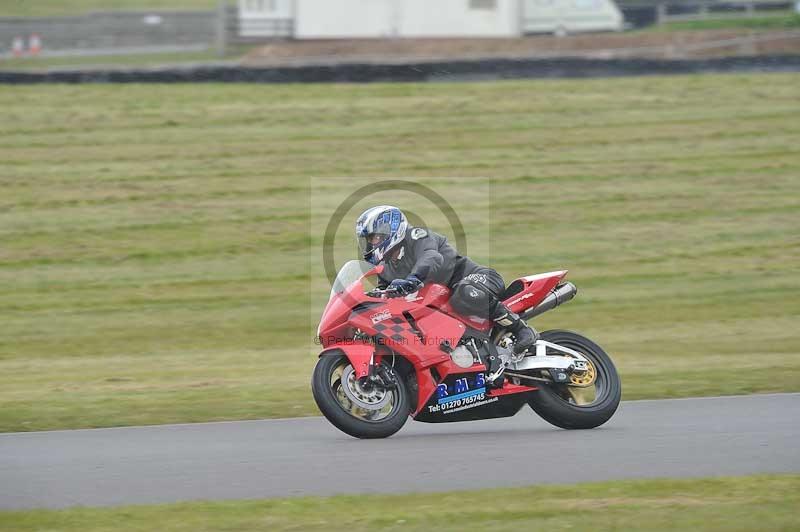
pixel 494 286
pixel 524 335
pixel 478 294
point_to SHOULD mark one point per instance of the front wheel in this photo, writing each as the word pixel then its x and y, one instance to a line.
pixel 356 406
pixel 588 400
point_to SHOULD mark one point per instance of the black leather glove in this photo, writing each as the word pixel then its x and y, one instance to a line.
pixel 402 287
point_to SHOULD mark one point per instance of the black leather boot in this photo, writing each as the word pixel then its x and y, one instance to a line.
pixel 524 335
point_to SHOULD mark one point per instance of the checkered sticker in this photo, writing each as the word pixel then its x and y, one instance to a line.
pixel 394 328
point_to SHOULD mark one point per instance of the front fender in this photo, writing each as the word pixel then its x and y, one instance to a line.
pixel 359 355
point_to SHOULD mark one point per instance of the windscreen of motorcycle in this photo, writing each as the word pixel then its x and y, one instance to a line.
pixel 348 274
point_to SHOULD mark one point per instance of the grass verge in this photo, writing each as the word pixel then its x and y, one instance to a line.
pixel 763 21
pixel 111 61
pixel 730 504
pixel 155 247
pixel 54 8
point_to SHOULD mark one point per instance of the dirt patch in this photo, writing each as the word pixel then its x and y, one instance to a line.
pixel 672 45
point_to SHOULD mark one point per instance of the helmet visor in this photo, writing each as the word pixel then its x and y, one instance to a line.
pixel 371 241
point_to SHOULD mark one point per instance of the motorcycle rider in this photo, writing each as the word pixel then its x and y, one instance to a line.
pixel 414 255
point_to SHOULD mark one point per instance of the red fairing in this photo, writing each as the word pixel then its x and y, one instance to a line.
pixel 531 290
pixel 333 324
pixel 449 368
pixel 427 385
pixel 419 339
pixel 432 295
pixel 359 354
pixel 510 389
pixel 423 329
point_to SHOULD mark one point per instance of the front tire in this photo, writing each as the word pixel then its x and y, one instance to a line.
pixel 354 408
pixel 562 405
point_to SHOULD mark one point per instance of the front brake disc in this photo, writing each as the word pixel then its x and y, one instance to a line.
pixel 374 398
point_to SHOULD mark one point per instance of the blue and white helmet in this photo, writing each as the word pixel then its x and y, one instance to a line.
pixel 378 230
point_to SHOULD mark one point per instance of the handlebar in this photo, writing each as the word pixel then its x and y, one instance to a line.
pixel 384 293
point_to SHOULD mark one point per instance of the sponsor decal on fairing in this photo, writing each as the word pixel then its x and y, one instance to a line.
pixel 463 394
pixel 380 316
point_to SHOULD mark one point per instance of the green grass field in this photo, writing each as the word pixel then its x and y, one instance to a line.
pixel 730 504
pixel 38 8
pixel 132 60
pixel 781 20
pixel 156 257
pixel 232 52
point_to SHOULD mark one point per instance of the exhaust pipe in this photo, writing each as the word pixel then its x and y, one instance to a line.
pixel 560 294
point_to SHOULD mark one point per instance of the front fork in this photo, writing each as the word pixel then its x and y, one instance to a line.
pixel 379 373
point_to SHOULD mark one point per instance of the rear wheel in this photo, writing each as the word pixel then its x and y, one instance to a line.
pixel 589 399
pixel 356 406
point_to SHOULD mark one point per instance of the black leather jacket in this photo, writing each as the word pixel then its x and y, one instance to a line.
pixel 428 256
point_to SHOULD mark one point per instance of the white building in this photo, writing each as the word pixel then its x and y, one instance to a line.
pixel 266 18
pixel 332 19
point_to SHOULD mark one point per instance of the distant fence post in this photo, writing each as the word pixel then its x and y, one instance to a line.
pixel 222 23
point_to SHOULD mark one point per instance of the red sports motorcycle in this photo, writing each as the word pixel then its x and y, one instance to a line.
pixel 386 358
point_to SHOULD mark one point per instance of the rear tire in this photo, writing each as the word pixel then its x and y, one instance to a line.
pixel 552 401
pixel 353 420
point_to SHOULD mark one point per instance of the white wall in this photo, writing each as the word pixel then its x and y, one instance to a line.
pixel 331 19
pixel 257 18
pixel 453 18
pixel 316 19
pixel 406 18
pixel 266 8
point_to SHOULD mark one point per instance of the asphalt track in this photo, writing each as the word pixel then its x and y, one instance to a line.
pixel 294 457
